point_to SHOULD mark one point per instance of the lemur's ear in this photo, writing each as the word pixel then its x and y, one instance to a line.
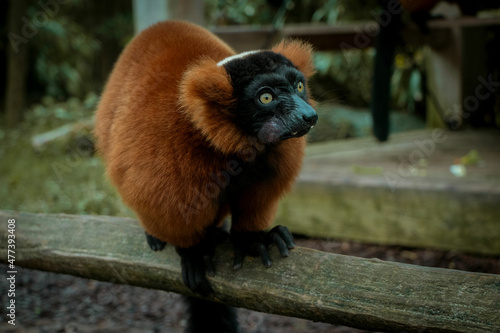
pixel 299 53
pixel 206 83
pixel 206 97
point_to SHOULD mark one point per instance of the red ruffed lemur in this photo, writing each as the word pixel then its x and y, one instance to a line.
pixel 191 132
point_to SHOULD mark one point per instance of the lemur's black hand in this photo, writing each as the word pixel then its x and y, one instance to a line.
pixel 197 261
pixel 154 243
pixel 257 243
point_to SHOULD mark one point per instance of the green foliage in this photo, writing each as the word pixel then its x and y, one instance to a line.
pixel 328 13
pixel 71 49
pixel 64 58
pixel 226 12
pixel 62 178
pixel 344 76
pixel 50 114
pixel 361 10
pixel 406 81
pixel 116 28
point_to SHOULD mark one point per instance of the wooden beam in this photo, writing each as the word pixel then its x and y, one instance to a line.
pixel 464 22
pixel 358 35
pixel 363 293
pixel 322 37
pixel 17 62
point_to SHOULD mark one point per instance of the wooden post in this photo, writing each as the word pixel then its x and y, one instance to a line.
pixel 363 293
pixel 17 62
pixel 444 79
pixel 455 57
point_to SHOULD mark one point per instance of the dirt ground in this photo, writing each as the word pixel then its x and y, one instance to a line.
pixel 48 302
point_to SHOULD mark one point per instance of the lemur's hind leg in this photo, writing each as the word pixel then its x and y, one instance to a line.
pixel 197 261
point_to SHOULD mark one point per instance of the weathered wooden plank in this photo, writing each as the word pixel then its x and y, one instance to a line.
pixel 370 294
pixel 322 37
pixel 358 35
pixel 439 218
pixel 410 198
pixel 464 22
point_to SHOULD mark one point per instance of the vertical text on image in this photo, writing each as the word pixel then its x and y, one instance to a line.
pixel 11 270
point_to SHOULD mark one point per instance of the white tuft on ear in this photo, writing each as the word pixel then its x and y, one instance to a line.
pixel 236 56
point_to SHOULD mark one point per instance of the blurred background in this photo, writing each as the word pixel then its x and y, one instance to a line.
pixel 55 57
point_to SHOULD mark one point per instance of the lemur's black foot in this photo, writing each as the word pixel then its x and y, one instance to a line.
pixel 154 243
pixel 197 261
pixel 257 243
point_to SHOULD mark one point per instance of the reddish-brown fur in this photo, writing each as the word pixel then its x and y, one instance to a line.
pixel 164 129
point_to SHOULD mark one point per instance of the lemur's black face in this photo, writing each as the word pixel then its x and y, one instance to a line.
pixel 272 101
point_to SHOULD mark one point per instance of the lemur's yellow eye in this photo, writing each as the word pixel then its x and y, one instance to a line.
pixel 300 87
pixel 266 98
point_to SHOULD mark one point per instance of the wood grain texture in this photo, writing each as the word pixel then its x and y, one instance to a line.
pixel 363 293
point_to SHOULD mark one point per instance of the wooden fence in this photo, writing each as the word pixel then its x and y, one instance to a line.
pixel 363 293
